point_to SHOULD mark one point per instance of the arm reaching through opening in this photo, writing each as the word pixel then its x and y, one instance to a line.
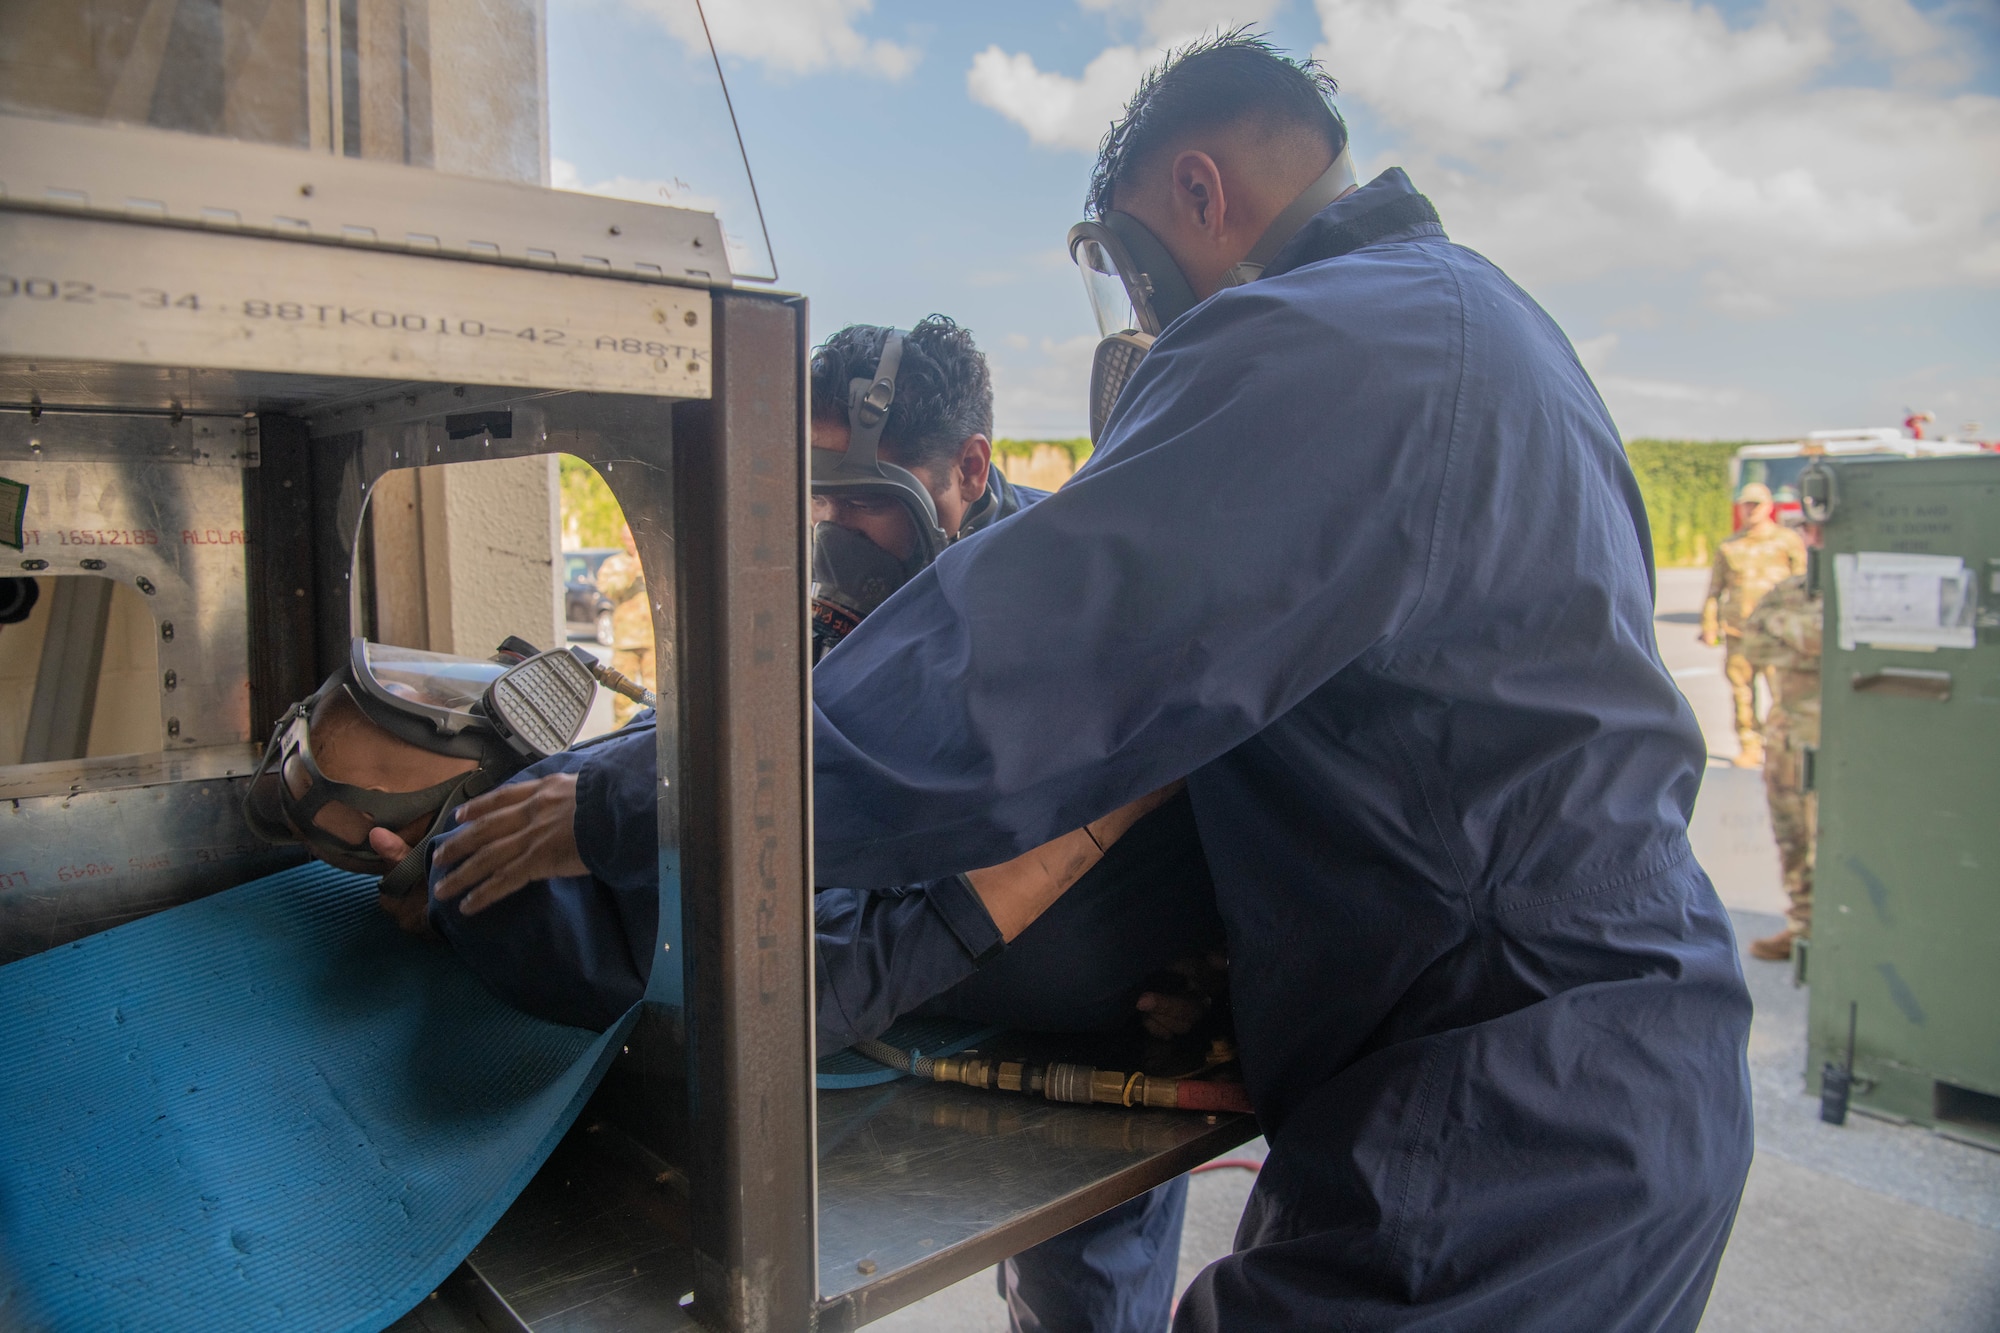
pixel 1017 891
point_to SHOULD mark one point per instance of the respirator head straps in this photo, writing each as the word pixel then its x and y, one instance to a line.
pixel 288 790
pixel 869 401
pixel 501 714
pixel 1336 181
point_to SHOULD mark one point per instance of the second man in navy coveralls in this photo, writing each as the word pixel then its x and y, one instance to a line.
pixel 577 948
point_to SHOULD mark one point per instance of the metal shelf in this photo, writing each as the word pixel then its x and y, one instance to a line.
pixel 920 1185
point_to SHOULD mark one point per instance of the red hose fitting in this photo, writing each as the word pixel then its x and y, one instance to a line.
pixel 1196 1095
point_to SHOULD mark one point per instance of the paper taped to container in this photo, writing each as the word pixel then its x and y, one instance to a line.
pixel 13 511
pixel 1901 600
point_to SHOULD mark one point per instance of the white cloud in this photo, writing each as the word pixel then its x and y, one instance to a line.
pixel 1644 315
pixel 1723 291
pixel 1645 407
pixel 1059 111
pixel 1041 386
pixel 1983 262
pixel 1570 138
pixel 1168 21
pixel 1056 110
pixel 786 36
pixel 1594 352
pixel 675 193
pixel 1669 391
pixel 1730 160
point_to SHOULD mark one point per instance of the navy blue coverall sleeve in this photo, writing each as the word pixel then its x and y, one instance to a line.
pixel 882 953
pixel 578 949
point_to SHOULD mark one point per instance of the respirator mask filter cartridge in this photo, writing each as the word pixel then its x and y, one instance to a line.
pixel 1135 291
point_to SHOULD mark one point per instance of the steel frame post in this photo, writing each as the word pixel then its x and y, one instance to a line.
pixel 740 506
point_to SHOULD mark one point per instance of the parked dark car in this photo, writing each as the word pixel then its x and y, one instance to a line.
pixel 587 610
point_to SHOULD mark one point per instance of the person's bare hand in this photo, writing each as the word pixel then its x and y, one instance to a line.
pixel 511 836
pixel 1710 639
pixel 1173 1013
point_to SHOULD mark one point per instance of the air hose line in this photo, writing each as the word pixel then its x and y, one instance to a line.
pixel 1059 1082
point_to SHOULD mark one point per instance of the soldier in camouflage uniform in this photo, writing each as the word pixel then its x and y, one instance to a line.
pixel 1782 636
pixel 622 580
pixel 1747 566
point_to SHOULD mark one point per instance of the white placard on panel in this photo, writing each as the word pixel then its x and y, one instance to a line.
pixel 80 289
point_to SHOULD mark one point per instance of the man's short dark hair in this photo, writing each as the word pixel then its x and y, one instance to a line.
pixel 1212 83
pixel 943 391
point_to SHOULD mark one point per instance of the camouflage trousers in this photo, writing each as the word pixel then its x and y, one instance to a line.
pixel 638 664
pixel 1742 691
pixel 1794 816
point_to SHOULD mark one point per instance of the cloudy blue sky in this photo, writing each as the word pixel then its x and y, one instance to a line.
pixel 1753 218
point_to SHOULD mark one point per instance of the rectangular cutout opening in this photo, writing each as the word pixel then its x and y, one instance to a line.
pixel 1967 1107
pixel 79 670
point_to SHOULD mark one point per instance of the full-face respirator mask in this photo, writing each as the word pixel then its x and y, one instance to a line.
pixel 502 714
pixel 851 575
pixel 1136 289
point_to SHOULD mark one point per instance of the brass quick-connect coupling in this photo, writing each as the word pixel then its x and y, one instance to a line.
pixel 1083 1084
pixel 974 1071
pixel 1072 1083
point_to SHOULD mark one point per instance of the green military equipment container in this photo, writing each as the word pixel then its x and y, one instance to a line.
pixel 1906 917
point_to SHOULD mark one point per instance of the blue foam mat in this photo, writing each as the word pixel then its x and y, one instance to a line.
pixel 266 1109
pixel 849 1068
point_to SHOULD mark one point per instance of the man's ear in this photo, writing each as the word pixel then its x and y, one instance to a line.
pixel 974 467
pixel 1198 200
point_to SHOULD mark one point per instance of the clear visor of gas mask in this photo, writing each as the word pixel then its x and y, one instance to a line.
pixel 1110 303
pixel 438 686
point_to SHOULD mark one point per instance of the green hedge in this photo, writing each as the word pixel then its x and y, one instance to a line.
pixel 1686 485
pixel 1685 482
pixel 590 513
pixel 1078 449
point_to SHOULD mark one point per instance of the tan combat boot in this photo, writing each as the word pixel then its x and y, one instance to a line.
pixel 1750 752
pixel 1773 948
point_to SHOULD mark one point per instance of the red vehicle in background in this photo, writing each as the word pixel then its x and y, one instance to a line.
pixel 1778 465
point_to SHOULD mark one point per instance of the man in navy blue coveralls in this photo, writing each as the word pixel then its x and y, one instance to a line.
pixel 577 948
pixel 1360 556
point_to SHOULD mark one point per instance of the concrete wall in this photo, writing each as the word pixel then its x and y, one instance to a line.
pixel 467 554
pixel 488 71
pixel 460 85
